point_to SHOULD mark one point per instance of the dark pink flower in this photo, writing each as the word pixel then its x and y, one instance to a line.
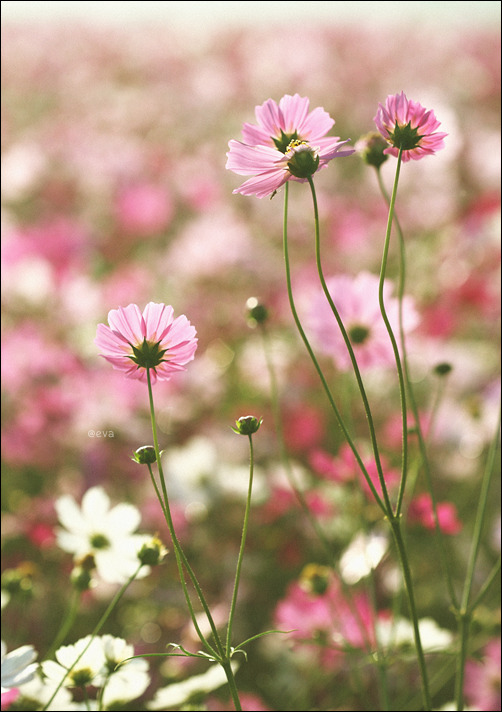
pixel 288 143
pixel 153 340
pixel 406 124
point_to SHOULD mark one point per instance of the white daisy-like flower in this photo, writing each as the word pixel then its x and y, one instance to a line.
pixel 106 533
pixel 37 692
pixel 128 681
pixel 18 666
pixel 177 693
pixel 78 665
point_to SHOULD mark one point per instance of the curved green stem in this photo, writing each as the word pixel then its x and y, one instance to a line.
pixel 181 559
pixel 241 549
pixel 414 408
pixel 315 362
pixel 402 389
pixel 350 350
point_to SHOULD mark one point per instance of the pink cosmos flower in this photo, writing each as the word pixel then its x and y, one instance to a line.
pixel 356 299
pixel 406 124
pixel 421 512
pixel 288 143
pixel 154 341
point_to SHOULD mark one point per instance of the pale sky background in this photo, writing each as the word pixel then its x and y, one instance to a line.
pixel 202 17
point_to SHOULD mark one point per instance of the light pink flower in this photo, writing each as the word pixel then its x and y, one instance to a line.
pixel 135 342
pixel 356 299
pixel 482 679
pixel 288 143
pixel 406 124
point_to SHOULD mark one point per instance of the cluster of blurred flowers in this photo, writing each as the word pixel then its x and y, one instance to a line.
pixel 115 192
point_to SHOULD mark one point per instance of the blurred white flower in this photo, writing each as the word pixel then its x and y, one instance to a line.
pixel 398 632
pixel 18 666
pixel 103 532
pixel 130 680
pixel 39 691
pixel 179 692
pixel 363 554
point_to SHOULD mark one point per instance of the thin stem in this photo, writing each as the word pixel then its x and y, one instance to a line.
pixel 353 359
pixel 181 559
pixel 66 624
pixel 466 611
pixel 413 404
pixel 402 389
pixel 96 630
pixel 241 549
pixel 403 557
pixel 315 362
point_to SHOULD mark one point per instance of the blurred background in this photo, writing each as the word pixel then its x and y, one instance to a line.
pixel 116 119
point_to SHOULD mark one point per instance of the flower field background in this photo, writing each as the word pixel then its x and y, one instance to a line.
pixel 115 192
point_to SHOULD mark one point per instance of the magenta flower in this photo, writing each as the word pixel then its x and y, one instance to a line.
pixel 406 124
pixel 154 341
pixel 288 143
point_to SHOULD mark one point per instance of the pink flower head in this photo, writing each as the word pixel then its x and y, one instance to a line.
pixel 356 299
pixel 288 143
pixel 406 124
pixel 154 341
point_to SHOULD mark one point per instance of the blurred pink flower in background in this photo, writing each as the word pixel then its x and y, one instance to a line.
pixel 406 124
pixel 154 340
pixel 270 150
pixel 330 616
pixel 482 679
pixel 143 208
pixel 421 512
pixel 356 299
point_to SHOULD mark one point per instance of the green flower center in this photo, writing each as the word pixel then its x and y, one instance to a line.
pixel 99 541
pixel 304 160
pixel 283 142
pixel 358 333
pixel 82 677
pixel 405 137
pixel 148 355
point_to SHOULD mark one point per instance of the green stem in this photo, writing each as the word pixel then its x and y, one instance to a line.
pixel 241 549
pixel 466 610
pixel 353 359
pixel 413 404
pixel 403 557
pixel 181 559
pixel 96 630
pixel 402 389
pixel 315 362
pixel 66 624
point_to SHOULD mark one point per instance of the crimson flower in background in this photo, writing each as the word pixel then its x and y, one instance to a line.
pixel 406 124
pixel 288 143
pixel 154 340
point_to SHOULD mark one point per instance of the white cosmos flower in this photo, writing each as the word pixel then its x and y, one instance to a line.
pixel 18 666
pixel 107 533
pixel 89 668
pixel 130 680
pixel 175 694
pixel 39 691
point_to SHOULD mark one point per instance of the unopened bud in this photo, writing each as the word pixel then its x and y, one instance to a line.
pixel 152 552
pixel 247 425
pixel 144 455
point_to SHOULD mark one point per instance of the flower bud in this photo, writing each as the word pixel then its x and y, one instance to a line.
pixel 152 552
pixel 372 147
pixel 81 579
pixel 144 455
pixel 303 159
pixel 257 313
pixel 443 369
pixel 247 425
